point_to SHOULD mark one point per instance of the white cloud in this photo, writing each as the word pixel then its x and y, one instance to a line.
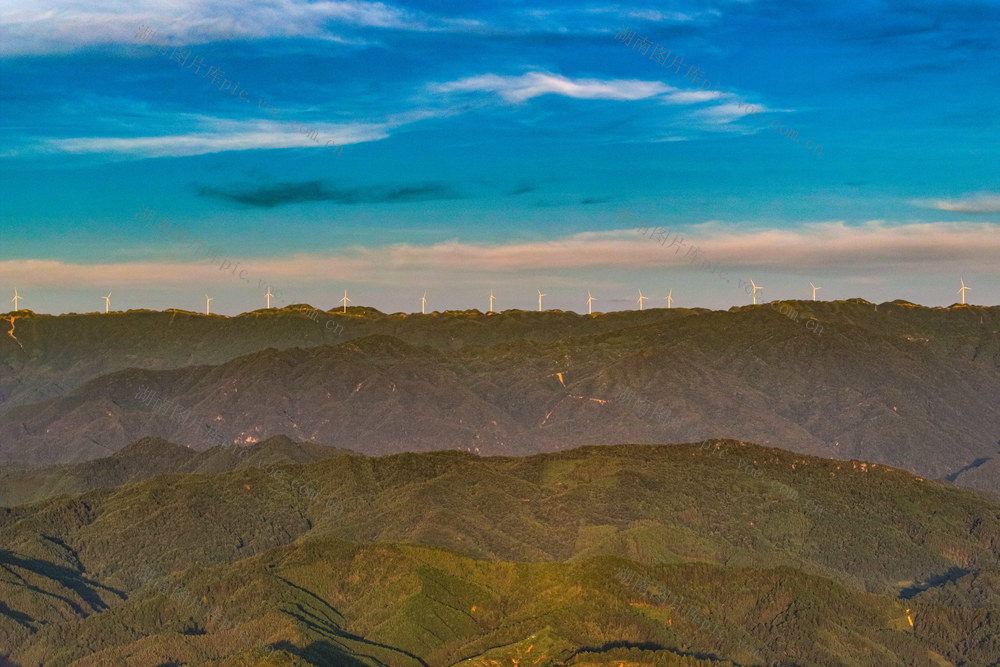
pixel 652 15
pixel 727 112
pixel 690 97
pixel 219 135
pixel 199 143
pixel 533 84
pixel 31 27
pixel 715 116
pixel 655 15
pixel 980 203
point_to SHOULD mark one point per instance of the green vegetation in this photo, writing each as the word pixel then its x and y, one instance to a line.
pixel 445 558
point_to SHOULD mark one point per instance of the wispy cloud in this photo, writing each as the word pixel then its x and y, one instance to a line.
pixel 831 244
pixel 690 97
pixel 30 27
pixel 727 113
pixel 938 247
pixel 521 88
pixel 715 114
pixel 986 202
pixel 222 135
pixel 658 16
pixel 211 134
pixel 651 15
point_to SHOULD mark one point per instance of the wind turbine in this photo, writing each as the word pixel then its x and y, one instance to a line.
pixel 423 303
pixel 268 295
pixel 641 297
pixel 755 288
pixel 962 290
pixel 814 290
pixel 491 301
pixel 107 303
pixel 345 301
pixel 590 300
pixel 540 295
pixel 16 299
pixel 670 298
pixel 208 304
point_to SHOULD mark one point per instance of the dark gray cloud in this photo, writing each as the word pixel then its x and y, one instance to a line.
pixel 547 203
pixel 280 194
pixel 524 188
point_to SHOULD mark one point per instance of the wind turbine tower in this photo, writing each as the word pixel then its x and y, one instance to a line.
pixel 345 301
pixel 423 303
pixel 16 299
pixel 540 295
pixel 590 301
pixel 962 290
pixel 107 303
pixel 641 297
pixel 755 288
pixel 814 290
pixel 670 298
pixel 268 295
pixel 491 301
pixel 208 304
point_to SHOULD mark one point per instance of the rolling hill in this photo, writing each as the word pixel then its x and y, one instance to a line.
pixel 445 558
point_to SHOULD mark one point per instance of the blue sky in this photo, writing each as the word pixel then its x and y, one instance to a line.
pixel 460 149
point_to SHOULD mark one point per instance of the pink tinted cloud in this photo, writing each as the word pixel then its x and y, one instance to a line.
pixel 867 249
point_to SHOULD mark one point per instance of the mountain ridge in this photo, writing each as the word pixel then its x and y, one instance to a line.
pixel 860 389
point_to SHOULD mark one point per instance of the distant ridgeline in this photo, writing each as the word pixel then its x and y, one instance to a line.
pixel 521 382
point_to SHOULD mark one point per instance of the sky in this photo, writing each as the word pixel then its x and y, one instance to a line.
pixel 391 148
